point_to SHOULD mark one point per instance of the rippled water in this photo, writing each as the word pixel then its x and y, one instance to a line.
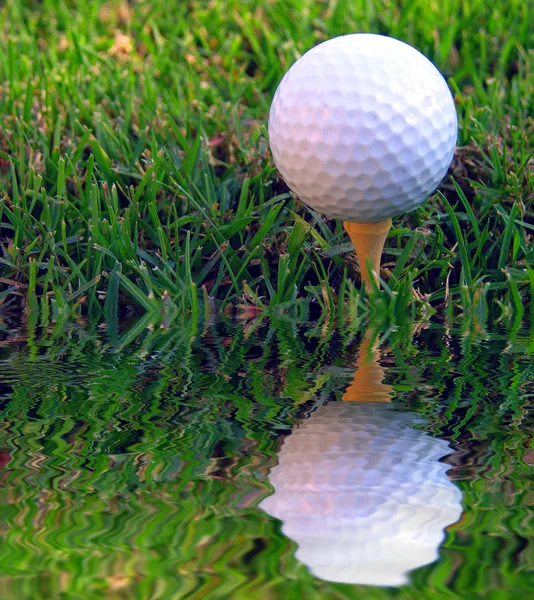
pixel 265 460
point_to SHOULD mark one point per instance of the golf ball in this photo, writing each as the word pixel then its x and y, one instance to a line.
pixel 363 127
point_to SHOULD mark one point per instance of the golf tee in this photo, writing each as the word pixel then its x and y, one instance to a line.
pixel 368 240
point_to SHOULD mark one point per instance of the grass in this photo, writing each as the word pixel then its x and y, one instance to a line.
pixel 135 171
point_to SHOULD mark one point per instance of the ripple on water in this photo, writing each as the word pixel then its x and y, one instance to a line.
pixel 140 469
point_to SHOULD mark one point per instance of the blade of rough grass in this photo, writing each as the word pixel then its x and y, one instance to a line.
pixel 506 239
pixel 403 258
pixel 82 289
pixel 111 303
pixel 149 304
pixel 260 235
pixel 44 304
pixel 33 304
pixel 464 258
pixel 468 208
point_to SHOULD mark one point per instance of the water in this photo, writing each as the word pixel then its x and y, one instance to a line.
pixel 265 460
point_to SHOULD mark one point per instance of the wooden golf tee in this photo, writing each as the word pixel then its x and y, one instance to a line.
pixel 367 384
pixel 368 240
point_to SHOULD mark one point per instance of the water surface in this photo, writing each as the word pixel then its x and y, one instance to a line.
pixel 265 460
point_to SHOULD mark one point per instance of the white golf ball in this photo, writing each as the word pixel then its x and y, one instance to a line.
pixel 363 127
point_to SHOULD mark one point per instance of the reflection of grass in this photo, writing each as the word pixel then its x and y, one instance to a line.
pixel 136 473
pixel 134 159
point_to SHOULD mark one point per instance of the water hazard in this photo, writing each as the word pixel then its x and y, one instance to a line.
pixel 265 460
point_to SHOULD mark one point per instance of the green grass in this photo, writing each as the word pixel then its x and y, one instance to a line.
pixel 135 169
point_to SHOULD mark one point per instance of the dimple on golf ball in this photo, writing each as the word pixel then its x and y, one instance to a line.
pixel 363 127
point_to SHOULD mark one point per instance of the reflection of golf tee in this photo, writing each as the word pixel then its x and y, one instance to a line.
pixel 361 491
pixel 367 384
pixel 368 240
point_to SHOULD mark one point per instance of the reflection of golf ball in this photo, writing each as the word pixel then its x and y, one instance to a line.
pixel 363 127
pixel 363 493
